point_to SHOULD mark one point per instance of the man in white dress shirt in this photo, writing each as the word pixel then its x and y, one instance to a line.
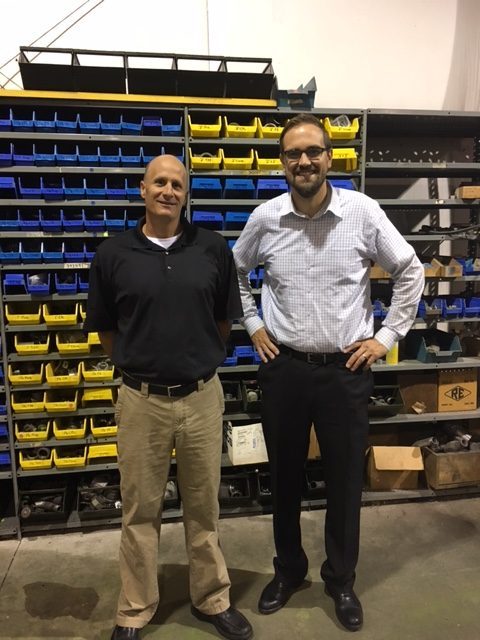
pixel 317 344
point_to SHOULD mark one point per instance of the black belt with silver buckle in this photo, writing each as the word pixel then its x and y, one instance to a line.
pixel 315 358
pixel 169 390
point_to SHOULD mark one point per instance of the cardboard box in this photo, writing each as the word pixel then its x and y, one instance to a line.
pixel 449 470
pixel 394 468
pixel 378 273
pixel 245 443
pixel 457 390
pixel 419 392
pixel 468 191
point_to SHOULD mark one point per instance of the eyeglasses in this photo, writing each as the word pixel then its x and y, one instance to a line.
pixel 311 152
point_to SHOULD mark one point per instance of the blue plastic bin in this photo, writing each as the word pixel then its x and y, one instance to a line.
pixel 231 244
pixel 89 123
pixel 206 188
pixel 132 188
pixel 5 119
pixel 9 219
pixel 73 219
pixel 9 252
pixel 44 119
pixel 344 184
pixel 132 218
pixel 131 156
pixel 83 282
pixel 52 250
pixel 66 154
pixel 115 188
pixel 109 155
pixel 94 219
pixel 6 154
pixel 151 125
pixel 472 308
pixel 23 154
pixel 8 188
pixel 14 284
pixel 38 288
pixel 74 250
pixel 74 187
pixel 130 125
pixel 171 125
pixel 236 220
pixel 31 250
pixel 90 249
pixel 115 219
pixel 95 187
pixel 44 154
pixel 22 119
pixel 239 188
pixel 270 188
pixel 52 187
pixel 244 354
pixel 29 219
pixel 51 220
pixel 66 282
pixel 66 121
pixel 208 219
pixel 110 123
pixel 88 154
pixel 230 361
pixel 30 187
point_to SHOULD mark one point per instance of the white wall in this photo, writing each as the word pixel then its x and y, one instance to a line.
pixel 363 53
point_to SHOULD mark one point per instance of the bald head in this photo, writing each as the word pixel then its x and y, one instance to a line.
pixel 164 163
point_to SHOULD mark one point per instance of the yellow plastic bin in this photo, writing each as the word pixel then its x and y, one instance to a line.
pixel 102 454
pixel 24 345
pixel 17 374
pixel 208 162
pixel 205 129
pixel 60 314
pixel 93 339
pixel 245 127
pixel 344 159
pixel 91 375
pixel 20 403
pixel 240 163
pixel 267 164
pixel 64 429
pixel 83 313
pixel 101 428
pixel 342 133
pixel 269 129
pixel 23 313
pixel 99 396
pixel 29 435
pixel 36 463
pixel 62 459
pixel 72 342
pixel 59 375
pixel 61 400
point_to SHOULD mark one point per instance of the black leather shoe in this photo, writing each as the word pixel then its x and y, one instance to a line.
pixel 125 633
pixel 347 607
pixel 230 624
pixel 275 595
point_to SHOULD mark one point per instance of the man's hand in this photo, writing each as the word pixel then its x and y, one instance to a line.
pixel 364 353
pixel 264 345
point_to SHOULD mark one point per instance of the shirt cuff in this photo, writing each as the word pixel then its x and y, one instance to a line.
pixel 252 324
pixel 387 337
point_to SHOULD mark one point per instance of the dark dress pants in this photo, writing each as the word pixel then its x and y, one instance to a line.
pixel 296 394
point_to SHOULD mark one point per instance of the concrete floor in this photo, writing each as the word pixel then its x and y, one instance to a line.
pixel 418 579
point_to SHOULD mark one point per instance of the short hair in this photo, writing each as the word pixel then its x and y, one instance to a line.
pixel 305 118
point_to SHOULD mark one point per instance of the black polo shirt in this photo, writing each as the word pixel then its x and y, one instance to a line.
pixel 162 304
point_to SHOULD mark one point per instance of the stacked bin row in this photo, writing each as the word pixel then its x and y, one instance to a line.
pixel 49 250
pixel 70 220
pixel 56 187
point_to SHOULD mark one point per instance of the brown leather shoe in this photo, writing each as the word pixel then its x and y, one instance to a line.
pixel 125 633
pixel 347 607
pixel 230 624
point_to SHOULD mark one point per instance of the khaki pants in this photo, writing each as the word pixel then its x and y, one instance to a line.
pixel 149 427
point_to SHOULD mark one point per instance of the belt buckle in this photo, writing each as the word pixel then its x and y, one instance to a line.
pixel 317 358
pixel 169 388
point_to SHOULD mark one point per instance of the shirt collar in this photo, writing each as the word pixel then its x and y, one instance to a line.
pixel 334 206
pixel 188 236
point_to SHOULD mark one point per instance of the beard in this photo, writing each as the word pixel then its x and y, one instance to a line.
pixel 306 189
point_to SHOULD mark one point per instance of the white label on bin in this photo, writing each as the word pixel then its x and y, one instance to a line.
pixel 77 265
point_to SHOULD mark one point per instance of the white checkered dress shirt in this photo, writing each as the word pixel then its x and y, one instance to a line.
pixel 316 288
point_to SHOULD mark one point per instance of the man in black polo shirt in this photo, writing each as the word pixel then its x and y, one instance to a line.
pixel 162 297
